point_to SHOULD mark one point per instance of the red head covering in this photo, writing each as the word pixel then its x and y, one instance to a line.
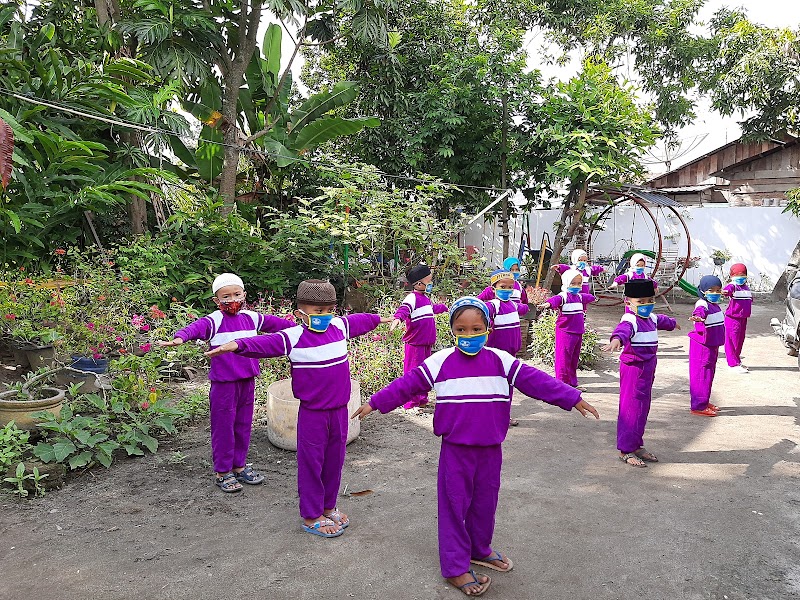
pixel 738 269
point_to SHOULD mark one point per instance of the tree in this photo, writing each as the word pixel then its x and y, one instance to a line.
pixel 451 92
pixel 591 131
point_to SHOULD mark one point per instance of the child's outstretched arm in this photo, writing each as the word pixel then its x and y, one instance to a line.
pixel 538 384
pixel 397 393
pixel 597 269
pixel 621 335
pixel 440 308
pixel 201 329
pixel 666 323
pixel 487 294
pixel 259 346
pixel 272 324
pixel 523 308
pixel 361 323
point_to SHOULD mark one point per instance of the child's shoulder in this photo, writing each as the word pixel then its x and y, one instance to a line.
pixel 701 303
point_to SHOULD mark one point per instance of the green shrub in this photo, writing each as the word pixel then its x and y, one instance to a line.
pixel 13 445
pixel 543 339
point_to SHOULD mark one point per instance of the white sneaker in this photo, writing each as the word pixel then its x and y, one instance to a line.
pixel 740 369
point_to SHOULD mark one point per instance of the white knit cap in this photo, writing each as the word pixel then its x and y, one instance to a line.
pixel 576 255
pixel 226 279
pixel 567 277
pixel 636 258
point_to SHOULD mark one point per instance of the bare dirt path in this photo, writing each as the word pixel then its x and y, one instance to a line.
pixel 718 518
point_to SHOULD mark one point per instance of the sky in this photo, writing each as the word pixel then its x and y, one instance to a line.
pixel 709 130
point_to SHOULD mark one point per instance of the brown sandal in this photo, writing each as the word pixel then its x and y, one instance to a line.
pixel 645 455
pixel 631 459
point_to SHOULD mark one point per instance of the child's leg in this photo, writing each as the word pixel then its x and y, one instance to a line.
pixel 560 360
pixel 338 421
pixel 635 389
pixel 458 469
pixel 481 512
pixel 312 440
pixel 702 365
pixel 735 331
pixel 222 414
pixel 573 357
pixel 412 358
pixel 243 423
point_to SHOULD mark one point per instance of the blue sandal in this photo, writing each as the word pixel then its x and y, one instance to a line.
pixel 483 586
pixel 315 528
pixel 249 476
pixel 485 562
pixel 228 484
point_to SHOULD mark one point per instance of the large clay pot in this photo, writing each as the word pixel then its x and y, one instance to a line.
pixel 40 356
pixel 282 409
pixel 20 411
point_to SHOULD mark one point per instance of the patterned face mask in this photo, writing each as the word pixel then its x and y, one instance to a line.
pixel 231 308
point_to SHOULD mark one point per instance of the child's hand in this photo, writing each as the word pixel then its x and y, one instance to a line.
pixel 554 267
pixel 224 349
pixel 696 319
pixel 543 306
pixel 362 412
pixel 584 408
pixel 613 285
pixel 385 319
pixel 614 346
pixel 394 324
pixel 173 342
pixel 677 325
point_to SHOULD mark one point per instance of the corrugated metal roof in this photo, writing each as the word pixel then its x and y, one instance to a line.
pixel 654 198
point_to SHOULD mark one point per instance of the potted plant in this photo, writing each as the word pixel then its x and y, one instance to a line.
pixel 720 257
pixel 21 400
pixel 31 320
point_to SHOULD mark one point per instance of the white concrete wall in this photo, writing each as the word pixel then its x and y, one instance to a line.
pixel 760 237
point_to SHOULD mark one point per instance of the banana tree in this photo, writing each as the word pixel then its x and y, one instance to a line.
pixel 265 104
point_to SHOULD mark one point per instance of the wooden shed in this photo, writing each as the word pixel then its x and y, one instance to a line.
pixel 739 173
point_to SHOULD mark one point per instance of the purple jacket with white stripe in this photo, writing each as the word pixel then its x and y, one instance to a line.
pixel 639 336
pixel 504 317
pixel 711 330
pixel 571 310
pixel 473 393
pixel 320 369
pixel 741 303
pixel 418 312
pixel 219 328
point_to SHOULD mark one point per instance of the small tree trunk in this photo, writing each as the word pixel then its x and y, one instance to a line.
pixel 780 291
pixel 562 238
pixel 230 165
pixel 503 166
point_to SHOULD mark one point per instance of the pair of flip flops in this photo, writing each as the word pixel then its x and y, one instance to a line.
pixel 232 482
pixel 314 528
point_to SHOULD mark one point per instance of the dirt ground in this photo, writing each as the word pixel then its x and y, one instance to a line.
pixel 718 518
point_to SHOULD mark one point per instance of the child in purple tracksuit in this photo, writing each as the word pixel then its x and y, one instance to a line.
pixel 580 263
pixel 317 351
pixel 232 378
pixel 637 337
pixel 739 308
pixel 518 294
pixel 637 263
pixel 418 313
pixel 473 385
pixel 704 343
pixel 504 314
pixel 571 304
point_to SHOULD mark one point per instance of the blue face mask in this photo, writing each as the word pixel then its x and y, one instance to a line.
pixel 574 289
pixel 319 323
pixel 471 344
pixel 428 288
pixel 516 275
pixel 740 280
pixel 713 298
pixel 582 265
pixel 503 294
pixel 644 310
pixel 639 270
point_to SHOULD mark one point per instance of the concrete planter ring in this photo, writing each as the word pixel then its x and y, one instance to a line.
pixel 282 409
pixel 20 411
